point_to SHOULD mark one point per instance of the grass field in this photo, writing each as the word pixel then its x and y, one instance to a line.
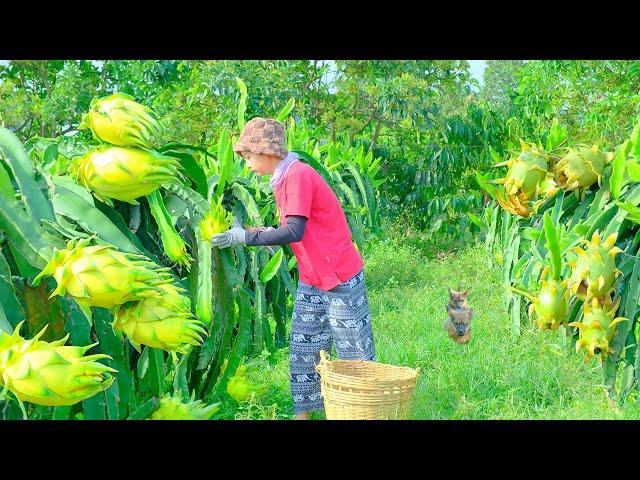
pixel 495 376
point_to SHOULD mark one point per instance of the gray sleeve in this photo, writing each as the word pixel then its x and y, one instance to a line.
pixel 293 231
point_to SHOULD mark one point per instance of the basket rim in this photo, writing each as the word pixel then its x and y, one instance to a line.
pixel 364 382
pixel 395 386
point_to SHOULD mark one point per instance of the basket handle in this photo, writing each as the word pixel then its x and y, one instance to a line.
pixel 323 356
pixel 324 359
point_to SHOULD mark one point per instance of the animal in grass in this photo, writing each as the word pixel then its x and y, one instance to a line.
pixel 459 315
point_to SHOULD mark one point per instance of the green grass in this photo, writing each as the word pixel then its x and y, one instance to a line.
pixel 495 376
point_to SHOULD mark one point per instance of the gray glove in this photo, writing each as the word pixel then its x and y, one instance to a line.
pixel 235 236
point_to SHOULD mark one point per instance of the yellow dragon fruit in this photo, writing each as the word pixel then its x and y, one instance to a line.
pixel 217 220
pixel 551 304
pixel 245 381
pixel 526 178
pixel 49 373
pixel 165 322
pixel 517 205
pixel 173 408
pixel 594 271
pixel 241 389
pixel 101 276
pixel 581 168
pixel 598 326
pixel 124 173
pixel 526 172
pixel 120 120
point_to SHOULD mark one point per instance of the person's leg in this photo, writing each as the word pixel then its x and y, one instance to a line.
pixel 350 320
pixel 309 334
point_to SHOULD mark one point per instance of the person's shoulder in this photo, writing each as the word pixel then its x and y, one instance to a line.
pixel 304 170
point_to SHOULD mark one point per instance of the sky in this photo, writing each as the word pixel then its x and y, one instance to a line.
pixel 477 69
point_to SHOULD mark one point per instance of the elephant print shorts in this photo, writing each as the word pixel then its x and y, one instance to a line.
pixel 320 318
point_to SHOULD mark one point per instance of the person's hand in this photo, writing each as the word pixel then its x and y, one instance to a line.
pixel 234 236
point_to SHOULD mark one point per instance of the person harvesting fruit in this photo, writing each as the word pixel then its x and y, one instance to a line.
pixel 331 303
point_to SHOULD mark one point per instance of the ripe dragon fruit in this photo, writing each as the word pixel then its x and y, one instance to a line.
pixel 101 276
pixel 120 120
pixel 594 271
pixel 598 326
pixel 526 179
pixel 49 373
pixel 580 168
pixel 165 322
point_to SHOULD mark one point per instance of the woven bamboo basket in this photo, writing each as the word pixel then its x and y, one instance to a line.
pixel 364 390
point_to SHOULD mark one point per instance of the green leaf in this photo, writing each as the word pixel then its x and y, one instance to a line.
pixel 494 155
pixel 95 408
pixel 602 219
pixel 475 219
pixel 14 313
pixel 286 276
pixel 517 267
pixel 25 234
pixel 143 363
pixel 154 376
pixel 598 202
pixel 617 173
pixel 90 218
pixel 69 184
pixel 180 378
pixel 193 169
pixel 557 135
pixel 114 346
pixel 172 242
pixel 286 110
pixel 61 412
pixel 259 303
pixel 531 233
pixel 50 156
pixel 271 268
pixel 249 203
pixel 485 185
pixel 553 246
pixel 241 341
pixel 293 261
pixel 633 169
pixel 363 191
pixel 115 218
pixel 635 141
pixel 36 198
pixel 225 162
pixel 144 410
pixel 242 104
pixel 112 398
pixel 634 212
pixel 225 279
pixel 515 315
pixel 204 300
pixel 349 194
pixel 76 323
pixel 5 326
pixel 6 187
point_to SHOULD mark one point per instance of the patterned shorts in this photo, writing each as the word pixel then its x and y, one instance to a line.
pixel 320 318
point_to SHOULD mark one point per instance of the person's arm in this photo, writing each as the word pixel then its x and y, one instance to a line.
pixel 293 231
pixel 298 210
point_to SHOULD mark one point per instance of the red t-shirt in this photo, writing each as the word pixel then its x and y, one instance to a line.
pixel 326 255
